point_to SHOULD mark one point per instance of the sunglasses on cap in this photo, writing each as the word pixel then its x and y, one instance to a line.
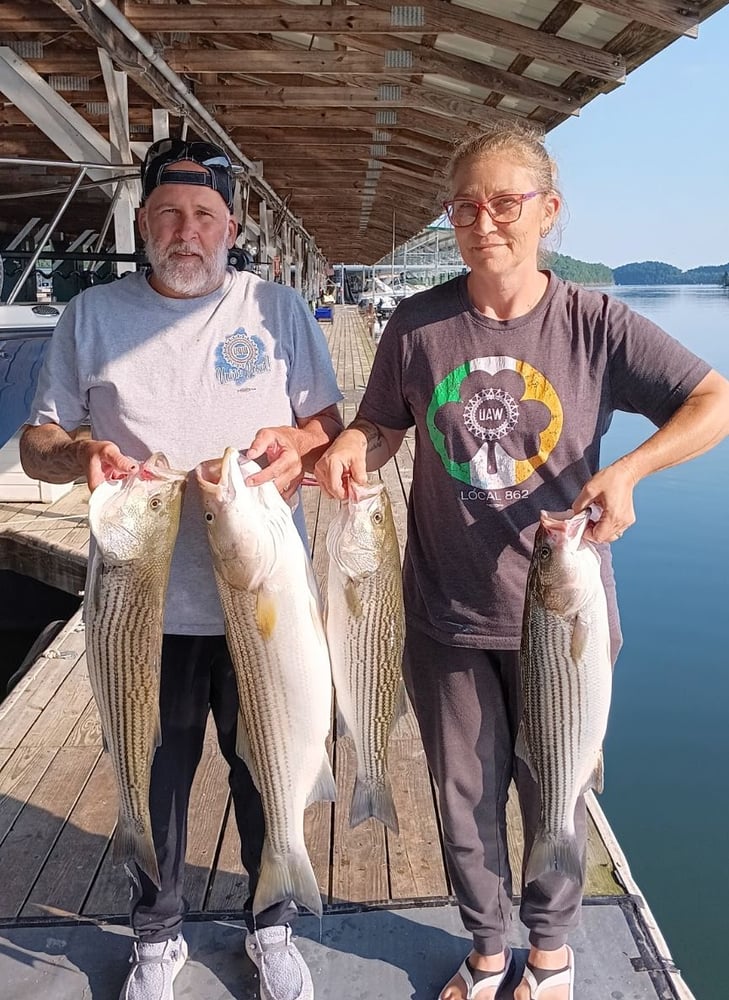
pixel 161 154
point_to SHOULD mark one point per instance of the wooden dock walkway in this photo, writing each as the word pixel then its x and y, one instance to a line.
pixel 58 802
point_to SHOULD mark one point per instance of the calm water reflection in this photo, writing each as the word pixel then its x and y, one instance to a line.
pixel 667 751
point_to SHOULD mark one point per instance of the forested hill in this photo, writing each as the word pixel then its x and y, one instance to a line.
pixel 647 272
pixel 656 272
pixel 579 270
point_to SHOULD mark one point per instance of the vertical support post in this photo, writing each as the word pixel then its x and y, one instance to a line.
pixel 121 152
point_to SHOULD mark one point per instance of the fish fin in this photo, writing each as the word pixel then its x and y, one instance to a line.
pixel 266 614
pixel 95 587
pixel 373 798
pixel 286 877
pixel 324 788
pixel 243 749
pixel 551 853
pixel 597 778
pixel 129 845
pixel 522 750
pixel 580 635
pixel 351 595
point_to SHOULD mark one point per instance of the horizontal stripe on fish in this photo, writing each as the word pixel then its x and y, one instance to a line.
pixel 365 631
pixel 566 680
pixel 276 639
pixel 134 526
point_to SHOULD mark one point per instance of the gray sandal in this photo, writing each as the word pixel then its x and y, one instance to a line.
pixel 477 981
pixel 545 979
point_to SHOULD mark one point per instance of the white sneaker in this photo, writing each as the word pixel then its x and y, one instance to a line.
pixel 154 967
pixel 282 971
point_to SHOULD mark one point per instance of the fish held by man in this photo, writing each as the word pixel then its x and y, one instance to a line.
pixel 566 677
pixel 276 638
pixel 365 626
pixel 134 523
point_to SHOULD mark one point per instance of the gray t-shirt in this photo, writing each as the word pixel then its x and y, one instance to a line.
pixel 188 377
pixel 508 418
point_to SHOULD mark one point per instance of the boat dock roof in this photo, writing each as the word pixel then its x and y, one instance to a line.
pixel 390 927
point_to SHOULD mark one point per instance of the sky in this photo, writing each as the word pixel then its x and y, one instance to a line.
pixel 644 170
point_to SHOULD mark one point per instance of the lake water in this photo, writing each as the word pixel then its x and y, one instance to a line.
pixel 667 750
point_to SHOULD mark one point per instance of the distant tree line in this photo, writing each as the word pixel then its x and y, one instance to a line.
pixel 656 272
pixel 647 272
pixel 579 270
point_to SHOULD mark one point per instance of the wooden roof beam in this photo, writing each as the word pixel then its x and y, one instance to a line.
pixel 667 15
pixel 471 71
pixel 315 62
pixel 388 96
pixel 446 16
pixel 678 18
pixel 311 19
pixel 276 139
pixel 427 124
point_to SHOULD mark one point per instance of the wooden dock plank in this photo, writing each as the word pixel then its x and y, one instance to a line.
pixel 34 693
pixel 18 779
pixel 415 856
pixel 359 861
pixel 109 894
pixel 205 822
pixel 67 876
pixel 43 816
pixel 229 887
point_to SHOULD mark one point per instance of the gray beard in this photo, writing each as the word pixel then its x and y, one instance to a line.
pixel 193 277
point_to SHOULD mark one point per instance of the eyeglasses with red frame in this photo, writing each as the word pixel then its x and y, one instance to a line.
pixel 501 208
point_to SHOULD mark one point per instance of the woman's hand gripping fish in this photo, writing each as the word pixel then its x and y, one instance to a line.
pixel 566 677
pixel 134 525
pixel 276 639
pixel 365 628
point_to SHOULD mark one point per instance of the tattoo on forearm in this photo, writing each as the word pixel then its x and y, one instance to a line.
pixel 370 431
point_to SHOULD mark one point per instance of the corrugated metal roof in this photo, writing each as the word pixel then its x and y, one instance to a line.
pixel 303 89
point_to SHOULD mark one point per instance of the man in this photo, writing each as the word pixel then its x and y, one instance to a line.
pixel 188 359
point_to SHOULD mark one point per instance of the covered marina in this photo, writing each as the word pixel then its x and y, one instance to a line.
pixel 340 118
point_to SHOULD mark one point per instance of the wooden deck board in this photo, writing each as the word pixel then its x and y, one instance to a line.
pixel 68 875
pixel 24 853
pixel 58 803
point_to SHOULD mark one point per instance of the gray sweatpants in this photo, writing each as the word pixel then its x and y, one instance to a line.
pixel 467 703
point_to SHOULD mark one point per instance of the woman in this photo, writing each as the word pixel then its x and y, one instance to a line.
pixel 510 377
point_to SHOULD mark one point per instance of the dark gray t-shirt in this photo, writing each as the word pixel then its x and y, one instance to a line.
pixel 508 418
pixel 188 377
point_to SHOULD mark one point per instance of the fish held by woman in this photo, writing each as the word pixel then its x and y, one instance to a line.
pixel 566 677
pixel 276 639
pixel 134 523
pixel 365 625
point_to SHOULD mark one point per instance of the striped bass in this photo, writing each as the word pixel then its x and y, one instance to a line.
pixel 566 678
pixel 134 525
pixel 366 628
pixel 276 639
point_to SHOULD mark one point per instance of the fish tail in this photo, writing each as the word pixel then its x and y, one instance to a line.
pixel 552 853
pixel 373 798
pixel 130 845
pixel 286 877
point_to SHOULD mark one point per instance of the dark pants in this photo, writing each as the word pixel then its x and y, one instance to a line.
pixel 467 703
pixel 197 676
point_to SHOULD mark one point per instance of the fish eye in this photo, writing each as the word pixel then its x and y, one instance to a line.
pixel 209 517
pixel 545 552
pixel 155 503
pixel 377 517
